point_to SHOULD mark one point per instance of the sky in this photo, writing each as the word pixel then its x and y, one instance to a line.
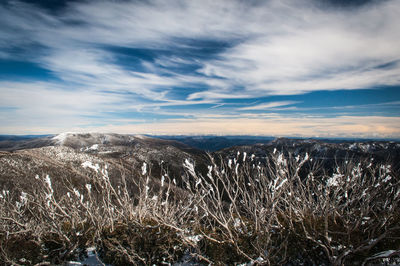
pixel 304 68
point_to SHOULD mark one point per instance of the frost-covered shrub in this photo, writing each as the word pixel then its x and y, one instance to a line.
pixel 286 210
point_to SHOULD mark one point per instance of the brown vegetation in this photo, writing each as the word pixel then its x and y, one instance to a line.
pixel 286 211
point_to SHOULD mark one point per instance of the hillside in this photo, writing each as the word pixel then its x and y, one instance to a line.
pixel 66 156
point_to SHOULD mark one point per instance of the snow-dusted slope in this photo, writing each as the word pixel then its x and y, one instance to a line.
pixel 74 156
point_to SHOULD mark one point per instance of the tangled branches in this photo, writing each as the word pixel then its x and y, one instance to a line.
pixel 241 210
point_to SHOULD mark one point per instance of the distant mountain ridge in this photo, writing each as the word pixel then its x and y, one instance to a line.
pixel 205 143
pixel 208 143
pixel 215 143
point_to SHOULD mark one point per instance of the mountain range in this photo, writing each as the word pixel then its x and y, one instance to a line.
pixel 73 157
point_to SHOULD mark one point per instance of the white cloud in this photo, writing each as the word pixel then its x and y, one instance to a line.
pixel 326 51
pixel 266 106
pixel 284 45
pixel 277 47
pixel 209 95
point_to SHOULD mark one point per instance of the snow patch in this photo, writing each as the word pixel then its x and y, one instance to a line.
pixel 91 259
pixel 94 147
pixel 90 165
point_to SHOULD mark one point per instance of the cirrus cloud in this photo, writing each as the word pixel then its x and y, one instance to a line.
pixel 110 62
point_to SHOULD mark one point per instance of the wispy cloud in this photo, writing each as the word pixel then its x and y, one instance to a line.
pixel 267 106
pixel 153 59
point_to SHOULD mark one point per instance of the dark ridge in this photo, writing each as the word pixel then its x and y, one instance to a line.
pixel 13 143
pixel 215 143
pixel 21 137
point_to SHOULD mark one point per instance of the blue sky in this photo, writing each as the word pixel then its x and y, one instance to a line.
pixel 278 67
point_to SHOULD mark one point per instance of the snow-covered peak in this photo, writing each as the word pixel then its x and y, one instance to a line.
pixel 86 141
pixel 60 138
